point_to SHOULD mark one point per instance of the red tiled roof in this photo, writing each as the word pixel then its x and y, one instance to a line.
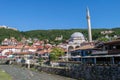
pixel 3 56
pixel 39 47
pixel 22 53
pixel 44 51
pixel 4 47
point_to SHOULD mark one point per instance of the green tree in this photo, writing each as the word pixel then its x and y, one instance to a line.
pixel 103 39
pixel 56 53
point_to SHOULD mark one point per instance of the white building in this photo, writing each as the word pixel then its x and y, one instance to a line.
pixel 76 38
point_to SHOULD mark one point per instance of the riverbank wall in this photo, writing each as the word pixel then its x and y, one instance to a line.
pixel 85 72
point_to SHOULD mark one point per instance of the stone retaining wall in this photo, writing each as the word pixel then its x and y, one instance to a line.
pixel 85 72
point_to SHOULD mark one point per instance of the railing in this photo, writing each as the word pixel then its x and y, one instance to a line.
pixel 116 51
pixel 100 52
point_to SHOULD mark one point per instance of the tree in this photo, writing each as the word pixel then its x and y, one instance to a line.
pixel 103 39
pixel 56 53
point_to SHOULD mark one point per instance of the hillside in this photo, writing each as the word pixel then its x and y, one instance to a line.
pixel 52 34
pixel 7 33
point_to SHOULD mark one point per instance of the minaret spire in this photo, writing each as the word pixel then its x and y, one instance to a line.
pixel 88 13
pixel 89 26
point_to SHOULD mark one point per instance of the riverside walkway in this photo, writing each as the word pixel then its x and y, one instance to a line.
pixel 19 73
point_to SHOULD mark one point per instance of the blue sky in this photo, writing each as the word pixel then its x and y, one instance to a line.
pixel 59 14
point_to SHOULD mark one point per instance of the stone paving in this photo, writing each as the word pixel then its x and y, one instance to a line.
pixel 19 73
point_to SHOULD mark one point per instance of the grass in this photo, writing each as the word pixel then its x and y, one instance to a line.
pixel 4 75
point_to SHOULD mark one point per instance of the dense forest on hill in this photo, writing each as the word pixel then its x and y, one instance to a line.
pixel 7 33
pixel 52 34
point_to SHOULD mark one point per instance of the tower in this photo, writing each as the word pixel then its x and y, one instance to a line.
pixel 89 26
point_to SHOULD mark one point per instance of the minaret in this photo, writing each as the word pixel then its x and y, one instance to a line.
pixel 89 26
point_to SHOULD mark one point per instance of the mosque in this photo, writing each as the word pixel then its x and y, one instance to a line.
pixel 77 39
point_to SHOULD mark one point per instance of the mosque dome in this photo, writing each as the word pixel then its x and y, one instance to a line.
pixel 76 38
pixel 78 35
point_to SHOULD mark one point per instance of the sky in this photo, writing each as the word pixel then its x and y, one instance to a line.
pixel 28 15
